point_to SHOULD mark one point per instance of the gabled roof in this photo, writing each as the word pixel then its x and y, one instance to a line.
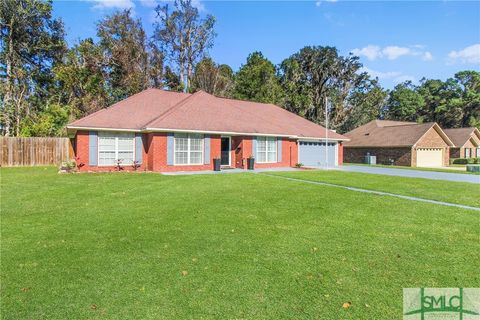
pixel 159 110
pixel 460 136
pixel 385 133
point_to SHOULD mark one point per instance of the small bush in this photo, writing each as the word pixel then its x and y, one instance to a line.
pixel 68 166
pixel 298 165
pixel 459 161
pixel 465 161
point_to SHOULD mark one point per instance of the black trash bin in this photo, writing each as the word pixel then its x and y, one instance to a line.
pixel 251 163
pixel 216 164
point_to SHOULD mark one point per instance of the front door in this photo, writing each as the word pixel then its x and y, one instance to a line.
pixel 225 149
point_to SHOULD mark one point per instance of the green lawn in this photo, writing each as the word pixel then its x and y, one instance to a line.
pixel 453 192
pixel 445 169
pixel 232 246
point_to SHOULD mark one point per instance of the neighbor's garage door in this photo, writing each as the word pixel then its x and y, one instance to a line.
pixel 429 157
pixel 312 154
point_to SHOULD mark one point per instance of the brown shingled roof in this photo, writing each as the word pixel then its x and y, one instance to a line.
pixel 159 110
pixel 460 136
pixel 133 112
pixel 385 133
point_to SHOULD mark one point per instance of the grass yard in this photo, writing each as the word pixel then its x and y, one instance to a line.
pixel 243 246
pixel 447 191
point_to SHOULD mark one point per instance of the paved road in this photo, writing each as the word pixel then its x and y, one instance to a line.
pixel 414 173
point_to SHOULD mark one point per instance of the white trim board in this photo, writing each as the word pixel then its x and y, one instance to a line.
pixel 232 133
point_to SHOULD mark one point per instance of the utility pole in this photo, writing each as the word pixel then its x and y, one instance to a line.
pixel 326 131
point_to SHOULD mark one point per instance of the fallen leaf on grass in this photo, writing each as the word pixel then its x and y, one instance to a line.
pixel 93 307
pixel 25 289
pixel 347 305
pixel 184 273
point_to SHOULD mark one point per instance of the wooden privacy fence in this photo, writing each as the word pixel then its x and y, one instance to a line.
pixel 34 151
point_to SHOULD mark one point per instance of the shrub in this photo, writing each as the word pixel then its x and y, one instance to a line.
pixel 459 161
pixel 68 166
pixel 465 161
pixel 298 165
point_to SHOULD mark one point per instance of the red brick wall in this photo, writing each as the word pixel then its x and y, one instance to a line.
pixel 81 149
pixel 400 156
pixel 81 144
pixel 432 139
pixel 237 147
pixel 340 153
pixel 155 154
pixel 469 145
pixel 461 152
pixel 289 155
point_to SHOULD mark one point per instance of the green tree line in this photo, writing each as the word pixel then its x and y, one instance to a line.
pixel 45 84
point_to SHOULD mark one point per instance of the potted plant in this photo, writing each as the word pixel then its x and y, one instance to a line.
pixel 250 163
pixel 217 161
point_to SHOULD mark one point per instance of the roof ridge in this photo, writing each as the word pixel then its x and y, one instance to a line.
pixel 465 128
pixel 231 103
pixel 410 124
pixel 228 101
pixel 242 100
pixel 169 110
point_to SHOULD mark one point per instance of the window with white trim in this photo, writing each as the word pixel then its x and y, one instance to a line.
pixel 266 149
pixel 467 153
pixel 114 146
pixel 188 148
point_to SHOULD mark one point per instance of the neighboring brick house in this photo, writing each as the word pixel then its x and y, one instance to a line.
pixel 399 143
pixel 466 141
pixel 157 130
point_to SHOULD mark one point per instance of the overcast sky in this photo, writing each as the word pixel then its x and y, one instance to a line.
pixel 396 41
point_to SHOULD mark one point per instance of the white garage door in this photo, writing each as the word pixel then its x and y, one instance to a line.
pixel 429 157
pixel 317 154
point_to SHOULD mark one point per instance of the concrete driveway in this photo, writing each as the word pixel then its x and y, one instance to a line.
pixel 459 177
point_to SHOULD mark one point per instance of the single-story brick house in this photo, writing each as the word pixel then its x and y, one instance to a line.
pixel 157 130
pixel 399 143
pixel 467 142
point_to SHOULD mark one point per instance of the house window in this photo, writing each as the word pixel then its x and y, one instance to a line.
pixel 115 146
pixel 467 153
pixel 478 152
pixel 266 149
pixel 188 148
